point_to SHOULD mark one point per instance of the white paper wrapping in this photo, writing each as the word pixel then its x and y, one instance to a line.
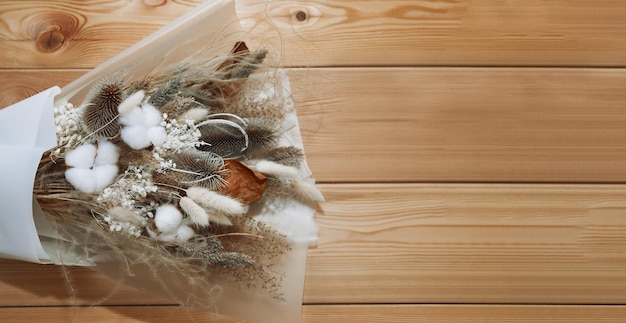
pixel 27 130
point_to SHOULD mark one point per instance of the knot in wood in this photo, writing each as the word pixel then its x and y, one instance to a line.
pixel 50 40
pixel 301 15
pixel 51 30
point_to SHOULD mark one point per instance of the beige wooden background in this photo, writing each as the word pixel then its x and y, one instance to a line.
pixel 472 154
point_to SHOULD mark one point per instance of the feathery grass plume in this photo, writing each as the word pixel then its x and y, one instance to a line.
pixel 131 102
pixel 215 201
pixel 198 168
pixel 287 155
pixel 100 112
pixel 262 135
pixel 166 93
pixel 194 114
pixel 196 213
pixel 277 170
pixel 212 252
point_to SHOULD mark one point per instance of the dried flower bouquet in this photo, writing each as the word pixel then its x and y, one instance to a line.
pixel 180 173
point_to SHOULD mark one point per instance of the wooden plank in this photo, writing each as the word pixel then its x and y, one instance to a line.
pixel 335 33
pixel 428 32
pixel 463 125
pixel 424 243
pixel 470 244
pixel 441 124
pixel 329 314
pixel 77 34
pixel 112 314
pixel 461 313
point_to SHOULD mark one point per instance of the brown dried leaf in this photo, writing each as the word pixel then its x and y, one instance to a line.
pixel 244 184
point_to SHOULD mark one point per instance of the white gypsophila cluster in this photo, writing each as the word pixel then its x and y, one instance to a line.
pixel 126 227
pixel 68 126
pixel 180 136
pixel 134 184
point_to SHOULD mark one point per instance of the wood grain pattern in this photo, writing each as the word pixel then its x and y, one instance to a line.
pixel 332 314
pixel 78 34
pixel 462 313
pixel 451 33
pixel 436 91
pixel 73 34
pixel 112 314
pixel 424 243
pixel 442 124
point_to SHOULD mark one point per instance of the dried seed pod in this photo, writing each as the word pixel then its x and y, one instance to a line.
pixel 198 168
pixel 100 113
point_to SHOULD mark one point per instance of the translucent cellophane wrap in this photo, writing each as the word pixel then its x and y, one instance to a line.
pixel 179 169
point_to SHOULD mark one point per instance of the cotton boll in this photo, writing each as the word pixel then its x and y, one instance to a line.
pixel 136 137
pixel 167 236
pixel 167 218
pixel 105 176
pixel 184 233
pixel 107 154
pixel 134 117
pixel 157 135
pixel 214 200
pixel 131 102
pixel 82 179
pixel 82 157
pixel 277 170
pixel 152 116
pixel 196 213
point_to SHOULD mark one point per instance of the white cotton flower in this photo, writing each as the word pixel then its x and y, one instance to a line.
pixel 105 175
pixel 152 115
pixel 167 218
pixel 82 157
pixel 184 233
pixel 82 179
pixel 136 137
pixel 92 168
pixel 134 117
pixel 142 127
pixel 108 153
pixel 180 235
pixel 157 136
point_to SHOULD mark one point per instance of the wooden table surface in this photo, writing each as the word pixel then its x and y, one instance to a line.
pixel 472 154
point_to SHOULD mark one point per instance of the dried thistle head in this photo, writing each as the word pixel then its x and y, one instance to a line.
pixel 99 115
pixel 198 168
